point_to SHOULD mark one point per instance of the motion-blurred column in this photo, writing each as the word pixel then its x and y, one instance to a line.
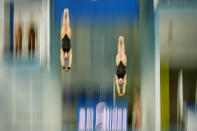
pixel 45 32
pixel 52 81
pixel 150 80
pixel 165 93
pixel 1 32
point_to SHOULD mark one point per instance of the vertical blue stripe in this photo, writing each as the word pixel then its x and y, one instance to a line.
pixel 11 27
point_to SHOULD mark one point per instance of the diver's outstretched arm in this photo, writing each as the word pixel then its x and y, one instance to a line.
pixel 124 85
pixel 117 85
pixel 70 58
pixel 62 59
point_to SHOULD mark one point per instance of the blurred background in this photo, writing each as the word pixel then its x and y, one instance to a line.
pixel 161 92
pixel 29 99
pixel 177 27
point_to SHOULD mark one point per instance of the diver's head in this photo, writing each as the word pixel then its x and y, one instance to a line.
pixel 120 81
pixel 65 55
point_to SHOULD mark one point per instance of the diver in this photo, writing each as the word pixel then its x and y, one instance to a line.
pixel 66 50
pixel 121 62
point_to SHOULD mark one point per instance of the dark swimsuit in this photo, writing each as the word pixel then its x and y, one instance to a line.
pixel 66 44
pixel 121 70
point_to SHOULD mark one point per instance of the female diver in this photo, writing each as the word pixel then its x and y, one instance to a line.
pixel 121 62
pixel 66 50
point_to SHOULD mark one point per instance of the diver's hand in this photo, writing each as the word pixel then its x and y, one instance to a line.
pixel 121 94
pixel 63 67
